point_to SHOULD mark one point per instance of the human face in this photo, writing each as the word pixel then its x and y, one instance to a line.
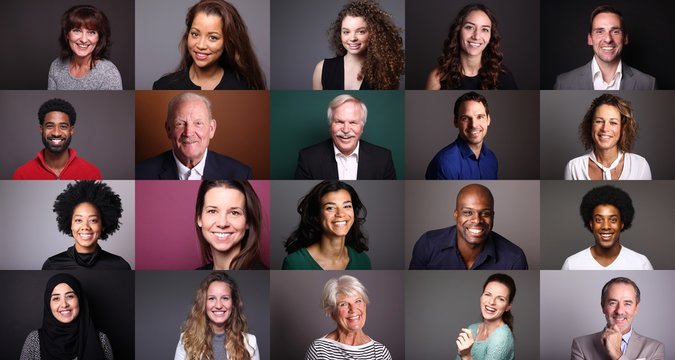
pixel 620 306
pixel 606 225
pixel 494 301
pixel 205 40
pixel 337 213
pixel 64 303
pixel 474 217
pixel 223 219
pixel 354 35
pixel 350 314
pixel 82 41
pixel 56 132
pixel 606 128
pixel 218 305
pixel 475 33
pixel 607 38
pixel 346 127
pixel 86 227
pixel 190 131
pixel 473 122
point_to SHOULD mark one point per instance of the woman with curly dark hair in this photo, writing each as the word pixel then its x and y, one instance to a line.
pixel 368 48
pixel 227 220
pixel 216 326
pixel 329 236
pixel 216 52
pixel 88 211
pixel 472 54
pixel 609 130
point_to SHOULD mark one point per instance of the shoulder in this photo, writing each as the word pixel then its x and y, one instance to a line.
pixel 434 80
pixel 358 260
pixel 54 261
pixel 297 260
pixel 232 164
pixel 506 80
pixel 151 167
pixel 172 81
pixel 641 76
pixel 31 346
pixel 106 65
pixel 57 64
pixel 575 260
pixel 251 343
pixel 436 237
pixel 113 261
pixel 318 148
pixel 504 244
pixel 586 68
pixel 634 255
pixel 571 80
pixel 33 337
pixel 366 146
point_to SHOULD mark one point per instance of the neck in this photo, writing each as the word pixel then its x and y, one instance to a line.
pixel 84 250
pixel 608 69
pixel 217 329
pixel 197 73
pixel 351 58
pixel 470 64
pixel 606 253
pixel 78 61
pixel 468 251
pixel 606 156
pixel 222 260
pixel 353 338
pixel 492 325
pixel 56 161
pixel 475 148
pixel 332 247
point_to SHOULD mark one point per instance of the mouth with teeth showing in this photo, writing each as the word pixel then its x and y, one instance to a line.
pixel 222 235
pixel 473 133
pixel 473 44
pixel 86 236
pixel 354 46
pixel 489 310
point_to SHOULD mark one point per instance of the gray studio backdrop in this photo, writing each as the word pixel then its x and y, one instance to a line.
pixel 428 23
pixel 570 307
pixel 29 231
pixel 164 299
pixel 26 65
pixel 161 24
pixel 300 41
pixel 438 304
pixel 562 112
pixel 384 224
pixel 429 205
pixel 298 319
pixel 564 234
pixel 513 134
pixel 104 129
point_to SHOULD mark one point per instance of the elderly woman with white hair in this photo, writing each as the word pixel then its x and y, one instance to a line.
pixel 344 299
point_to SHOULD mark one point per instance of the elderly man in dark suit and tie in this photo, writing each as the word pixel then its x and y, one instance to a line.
pixel 190 126
pixel 345 156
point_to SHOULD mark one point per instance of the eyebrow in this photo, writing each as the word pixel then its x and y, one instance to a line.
pixel 67 292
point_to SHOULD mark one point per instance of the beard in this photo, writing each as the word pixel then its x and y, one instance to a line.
pixel 56 149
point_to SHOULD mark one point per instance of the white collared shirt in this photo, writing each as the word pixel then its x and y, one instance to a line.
pixel 348 165
pixel 599 83
pixel 185 173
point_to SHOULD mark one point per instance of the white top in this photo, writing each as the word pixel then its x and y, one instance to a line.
pixel 249 340
pixel 185 173
pixel 348 165
pixel 599 83
pixel 627 260
pixel 635 167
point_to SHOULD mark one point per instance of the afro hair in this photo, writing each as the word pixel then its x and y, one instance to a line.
pixel 607 195
pixel 57 105
pixel 96 193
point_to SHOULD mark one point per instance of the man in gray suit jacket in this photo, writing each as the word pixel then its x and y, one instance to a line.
pixel 620 303
pixel 606 71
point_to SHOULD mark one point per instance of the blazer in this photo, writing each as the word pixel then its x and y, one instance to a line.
pixel 318 162
pixel 217 167
pixel 581 79
pixel 639 347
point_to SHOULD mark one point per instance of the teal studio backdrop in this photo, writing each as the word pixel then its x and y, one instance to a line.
pixel 299 119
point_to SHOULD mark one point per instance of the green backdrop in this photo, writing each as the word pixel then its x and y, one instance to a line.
pixel 298 119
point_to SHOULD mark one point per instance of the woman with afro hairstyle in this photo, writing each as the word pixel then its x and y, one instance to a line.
pixel 606 212
pixel 368 48
pixel 216 326
pixel 88 211
pixel 330 235
pixel 472 54
pixel 216 52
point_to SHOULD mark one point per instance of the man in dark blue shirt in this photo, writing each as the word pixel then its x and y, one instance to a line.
pixel 467 158
pixel 471 244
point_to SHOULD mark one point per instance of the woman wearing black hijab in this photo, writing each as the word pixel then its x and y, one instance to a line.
pixel 67 330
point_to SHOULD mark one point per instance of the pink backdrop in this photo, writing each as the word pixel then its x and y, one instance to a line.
pixel 165 230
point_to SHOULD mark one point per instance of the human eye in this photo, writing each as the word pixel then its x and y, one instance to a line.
pixel 468 27
pixel 193 34
pixel 486 30
pixel 76 30
pixel 467 212
pixel 329 207
pixel 599 32
pixel 235 213
pixel 63 126
pixel 617 32
pixel 77 220
pixel 92 32
pixel 71 296
pixel 94 221
pixel 486 213
pixel 214 38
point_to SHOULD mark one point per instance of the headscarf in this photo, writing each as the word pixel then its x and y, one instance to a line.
pixel 79 338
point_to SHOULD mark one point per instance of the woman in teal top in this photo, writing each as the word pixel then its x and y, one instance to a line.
pixel 491 339
pixel 329 236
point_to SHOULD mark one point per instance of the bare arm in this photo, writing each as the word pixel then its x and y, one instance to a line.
pixel 316 78
pixel 434 80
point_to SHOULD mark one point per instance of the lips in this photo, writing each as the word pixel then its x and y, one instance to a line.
pixel 86 236
pixel 222 235
pixel 200 56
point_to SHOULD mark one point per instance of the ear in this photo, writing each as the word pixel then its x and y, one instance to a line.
pixel 508 308
pixel 212 128
pixel 167 128
pixel 488 120
pixel 72 130
pixel 455 214
pixel 625 40
pixel 590 39
pixel 454 122
pixel 199 221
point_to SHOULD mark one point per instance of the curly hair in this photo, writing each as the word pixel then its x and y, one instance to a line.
pixel 104 199
pixel 449 64
pixel 629 127
pixel 507 281
pixel 309 230
pixel 88 17
pixel 607 195
pixel 250 250
pixel 238 53
pixel 57 105
pixel 385 58
pixel 197 333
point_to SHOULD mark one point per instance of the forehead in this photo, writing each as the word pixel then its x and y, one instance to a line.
pixel 210 22
pixel 497 288
pixel 353 22
pixel 339 196
pixel 473 198
pixel 340 297
pixel 61 288
pixel 606 209
pixel 478 17
pixel 621 291
pixel 57 117
pixel 218 287
pixel 606 110
pixel 85 208
pixel 191 108
pixel 471 107
pixel 228 196
pixel 606 19
pixel 348 109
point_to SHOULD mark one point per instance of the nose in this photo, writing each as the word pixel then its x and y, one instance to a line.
pixel 201 43
pixel 223 220
pixel 64 304
pixel 188 129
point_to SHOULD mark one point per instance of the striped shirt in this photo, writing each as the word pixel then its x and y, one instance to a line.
pixel 326 349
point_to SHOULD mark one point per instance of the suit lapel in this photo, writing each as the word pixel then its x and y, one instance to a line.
pixel 586 77
pixel 635 345
pixel 329 166
pixel 169 169
pixel 627 79
pixel 364 162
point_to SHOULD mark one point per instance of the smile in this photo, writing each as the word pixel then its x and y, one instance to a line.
pixel 222 235
pixel 57 141
pixel 86 236
pixel 201 56
pixel 490 310
pixel 474 44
